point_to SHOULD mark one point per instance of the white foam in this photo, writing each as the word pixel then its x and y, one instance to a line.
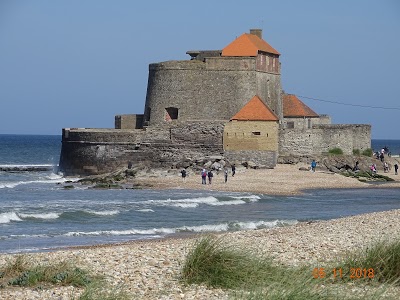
pixel 8 185
pixel 194 202
pixel 52 178
pixel 103 213
pixel 264 224
pixel 251 198
pixel 185 205
pixel 27 166
pixel 205 228
pixel 145 210
pixel 47 216
pixel 8 217
pixel 230 202
pixel 154 231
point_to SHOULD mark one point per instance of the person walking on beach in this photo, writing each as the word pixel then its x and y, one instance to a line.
pixel 385 167
pixel 396 167
pixel 204 176
pixel 313 165
pixel 183 172
pixel 233 170
pixel 226 175
pixel 210 176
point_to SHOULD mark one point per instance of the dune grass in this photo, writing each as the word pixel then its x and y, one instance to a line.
pixel 24 273
pixel 380 262
pixel 21 272
pixel 217 264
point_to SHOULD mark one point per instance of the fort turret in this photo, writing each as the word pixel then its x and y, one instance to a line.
pixel 214 84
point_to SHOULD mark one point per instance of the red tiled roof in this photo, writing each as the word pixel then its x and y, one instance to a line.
pixel 293 107
pixel 248 45
pixel 255 110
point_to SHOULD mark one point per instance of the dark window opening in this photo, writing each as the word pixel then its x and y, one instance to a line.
pixel 290 125
pixel 147 115
pixel 171 113
pixel 256 133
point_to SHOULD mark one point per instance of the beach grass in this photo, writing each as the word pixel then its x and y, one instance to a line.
pixel 217 264
pixel 97 290
pixel 24 273
pixel 379 262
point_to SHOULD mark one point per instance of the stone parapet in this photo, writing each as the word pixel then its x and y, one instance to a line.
pixel 323 137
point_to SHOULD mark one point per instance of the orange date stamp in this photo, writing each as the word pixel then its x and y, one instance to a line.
pixel 337 273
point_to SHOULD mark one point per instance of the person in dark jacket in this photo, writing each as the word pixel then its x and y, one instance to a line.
pixel 183 172
pixel 210 176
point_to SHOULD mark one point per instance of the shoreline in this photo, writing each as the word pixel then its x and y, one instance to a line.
pixel 150 269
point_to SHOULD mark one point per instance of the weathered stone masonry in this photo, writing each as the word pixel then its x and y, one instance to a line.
pixel 96 151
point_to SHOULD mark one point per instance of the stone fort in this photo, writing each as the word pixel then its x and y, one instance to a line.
pixel 225 103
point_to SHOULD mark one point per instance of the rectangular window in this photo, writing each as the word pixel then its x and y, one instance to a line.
pixel 256 133
pixel 290 125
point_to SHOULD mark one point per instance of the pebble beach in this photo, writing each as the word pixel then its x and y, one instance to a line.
pixel 151 269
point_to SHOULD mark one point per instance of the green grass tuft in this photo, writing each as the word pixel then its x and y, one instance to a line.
pixel 98 290
pixel 336 151
pixel 22 273
pixel 216 264
pixel 383 258
pixel 367 152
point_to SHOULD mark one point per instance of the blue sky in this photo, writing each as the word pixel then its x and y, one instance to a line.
pixel 78 63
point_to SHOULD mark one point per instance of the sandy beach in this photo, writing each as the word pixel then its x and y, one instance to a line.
pixel 284 179
pixel 151 269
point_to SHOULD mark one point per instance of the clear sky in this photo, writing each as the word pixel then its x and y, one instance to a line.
pixel 78 63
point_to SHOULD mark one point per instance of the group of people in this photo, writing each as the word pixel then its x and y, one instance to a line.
pixel 209 174
pixel 385 168
pixel 381 154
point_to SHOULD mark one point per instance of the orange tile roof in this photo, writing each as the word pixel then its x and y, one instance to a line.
pixel 248 45
pixel 255 110
pixel 293 107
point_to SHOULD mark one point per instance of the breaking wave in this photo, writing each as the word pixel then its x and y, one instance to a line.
pixel 210 200
pixel 8 217
pixel 44 216
pixel 222 227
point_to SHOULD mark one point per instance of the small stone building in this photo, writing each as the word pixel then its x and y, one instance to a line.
pixel 254 127
pixel 297 115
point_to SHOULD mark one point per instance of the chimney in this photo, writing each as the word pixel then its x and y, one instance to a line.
pixel 257 32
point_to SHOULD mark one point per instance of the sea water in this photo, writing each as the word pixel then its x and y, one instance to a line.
pixel 38 214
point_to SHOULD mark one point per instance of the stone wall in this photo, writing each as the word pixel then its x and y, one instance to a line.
pixel 302 123
pixel 322 138
pixel 263 159
pixel 251 135
pixel 97 151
